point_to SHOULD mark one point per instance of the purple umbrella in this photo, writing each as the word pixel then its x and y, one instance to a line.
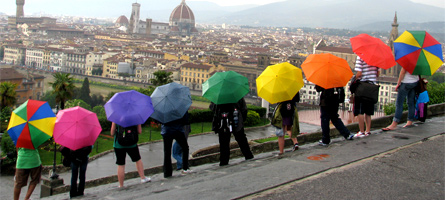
pixel 129 108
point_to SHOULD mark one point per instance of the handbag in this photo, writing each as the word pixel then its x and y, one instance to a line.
pixel 421 85
pixel 367 91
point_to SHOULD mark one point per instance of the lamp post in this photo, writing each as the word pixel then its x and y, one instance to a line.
pixel 54 175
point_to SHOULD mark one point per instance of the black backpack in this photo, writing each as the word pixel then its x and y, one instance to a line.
pixel 127 136
pixel 287 109
pixel 224 115
pixel 333 95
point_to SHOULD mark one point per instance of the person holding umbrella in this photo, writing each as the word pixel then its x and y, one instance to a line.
pixel 132 150
pixel 28 165
pixel 406 86
pixel 229 119
pixel 79 162
pixel 289 122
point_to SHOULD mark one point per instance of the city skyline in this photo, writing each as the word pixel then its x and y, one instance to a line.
pixel 33 7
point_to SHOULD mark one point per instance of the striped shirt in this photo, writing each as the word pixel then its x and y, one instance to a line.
pixel 369 73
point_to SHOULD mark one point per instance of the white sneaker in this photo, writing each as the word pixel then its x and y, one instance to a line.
pixel 146 180
pixel 188 171
pixel 360 135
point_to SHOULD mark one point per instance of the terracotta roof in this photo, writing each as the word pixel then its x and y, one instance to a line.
pixel 182 12
pixel 9 74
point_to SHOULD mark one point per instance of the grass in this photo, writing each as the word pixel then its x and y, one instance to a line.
pixel 105 142
pixel 264 140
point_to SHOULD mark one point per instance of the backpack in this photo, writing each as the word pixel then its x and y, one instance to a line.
pixel 127 136
pixel 334 95
pixel 225 117
pixel 80 155
pixel 287 109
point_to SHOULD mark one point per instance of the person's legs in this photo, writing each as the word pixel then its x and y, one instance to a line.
pixel 182 141
pixel 35 174
pixel 168 140
pixel 31 188
pixel 224 148
pixel 243 144
pixel 401 95
pixel 74 175
pixel 324 116
pixel 289 133
pixel 281 144
pixel 177 155
pixel 140 168
pixel 17 191
pixel 121 175
pixel 411 102
pixel 337 122
pixel 368 123
pixel 82 178
pixel 361 122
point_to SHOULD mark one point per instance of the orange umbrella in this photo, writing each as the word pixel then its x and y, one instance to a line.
pixel 327 70
pixel 373 51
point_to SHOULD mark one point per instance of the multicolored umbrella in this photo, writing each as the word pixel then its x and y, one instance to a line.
pixel 31 124
pixel 418 52
pixel 76 128
pixel 373 51
pixel 225 87
pixel 280 82
pixel 327 70
pixel 170 101
pixel 129 108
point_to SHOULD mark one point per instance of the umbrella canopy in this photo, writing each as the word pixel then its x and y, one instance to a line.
pixel 76 128
pixel 373 51
pixel 280 82
pixel 170 102
pixel 129 108
pixel 418 52
pixel 225 87
pixel 31 124
pixel 327 70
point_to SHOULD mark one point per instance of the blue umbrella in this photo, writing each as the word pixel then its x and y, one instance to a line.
pixel 170 101
pixel 129 108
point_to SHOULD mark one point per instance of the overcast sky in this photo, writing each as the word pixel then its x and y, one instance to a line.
pixel 9 7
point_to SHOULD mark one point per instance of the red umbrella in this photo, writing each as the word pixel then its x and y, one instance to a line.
pixel 373 51
pixel 76 128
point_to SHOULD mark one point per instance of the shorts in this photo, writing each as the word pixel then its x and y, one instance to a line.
pixel 362 107
pixel 121 154
pixel 287 121
pixel 279 132
pixel 21 176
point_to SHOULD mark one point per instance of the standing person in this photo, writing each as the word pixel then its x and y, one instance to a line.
pixel 177 150
pixel 329 102
pixel 79 163
pixel 364 109
pixel 121 152
pixel 228 119
pixel 28 165
pixel 287 110
pixel 405 88
pixel 175 130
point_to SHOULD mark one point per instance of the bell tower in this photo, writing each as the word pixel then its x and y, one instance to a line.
pixel 20 4
pixel 393 71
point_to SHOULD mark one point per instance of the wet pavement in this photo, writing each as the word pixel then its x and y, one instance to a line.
pixel 242 179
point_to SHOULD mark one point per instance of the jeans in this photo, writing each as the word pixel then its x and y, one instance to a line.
pixel 182 141
pixel 78 170
pixel 224 146
pixel 405 90
pixel 330 113
pixel 177 155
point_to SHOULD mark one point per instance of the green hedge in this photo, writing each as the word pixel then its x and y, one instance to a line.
pixel 198 115
pixel 260 110
pixel 253 118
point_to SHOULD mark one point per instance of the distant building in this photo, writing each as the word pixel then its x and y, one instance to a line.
pixel 193 75
pixel 393 71
pixel 29 86
pixel 182 21
pixel 134 18
pixel 20 19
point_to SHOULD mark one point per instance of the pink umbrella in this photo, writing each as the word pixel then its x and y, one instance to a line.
pixel 76 128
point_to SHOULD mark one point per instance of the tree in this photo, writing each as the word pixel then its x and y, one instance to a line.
pixel 63 87
pixel 108 97
pixel 147 91
pixel 161 78
pixel 77 102
pixel 8 96
pixel 97 100
pixel 84 93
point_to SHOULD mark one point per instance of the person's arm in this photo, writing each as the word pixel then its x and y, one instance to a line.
pixel 139 129
pixel 401 76
pixel 358 75
pixel 113 128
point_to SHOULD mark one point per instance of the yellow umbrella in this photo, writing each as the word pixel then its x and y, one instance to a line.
pixel 279 82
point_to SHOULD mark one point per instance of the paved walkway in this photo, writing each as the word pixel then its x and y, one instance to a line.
pixel 242 178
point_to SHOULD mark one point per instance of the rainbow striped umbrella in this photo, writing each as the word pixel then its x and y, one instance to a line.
pixel 31 124
pixel 418 52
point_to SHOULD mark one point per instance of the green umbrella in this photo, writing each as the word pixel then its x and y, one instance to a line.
pixel 225 87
